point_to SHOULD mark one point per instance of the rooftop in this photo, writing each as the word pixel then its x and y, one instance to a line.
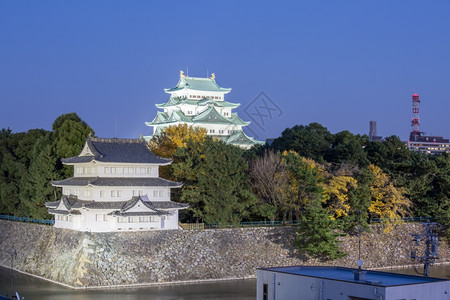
pixel 198 84
pixel 116 181
pixel 376 278
pixel 117 151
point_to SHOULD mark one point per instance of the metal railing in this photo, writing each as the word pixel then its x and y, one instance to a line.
pixel 405 219
pixel 251 224
pixel 28 220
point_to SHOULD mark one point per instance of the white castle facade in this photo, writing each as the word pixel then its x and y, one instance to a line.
pixel 115 187
pixel 200 102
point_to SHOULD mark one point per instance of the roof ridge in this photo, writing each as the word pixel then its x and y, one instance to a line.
pixel 115 140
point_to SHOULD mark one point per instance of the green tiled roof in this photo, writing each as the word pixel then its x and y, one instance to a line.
pixel 211 115
pixel 161 118
pixel 238 137
pixel 209 101
pixel 237 120
pixel 175 101
pixel 198 84
pixel 208 116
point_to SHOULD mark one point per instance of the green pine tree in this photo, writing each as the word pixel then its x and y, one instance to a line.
pixel 215 181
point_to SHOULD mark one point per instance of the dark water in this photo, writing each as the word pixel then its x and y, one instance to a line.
pixel 33 288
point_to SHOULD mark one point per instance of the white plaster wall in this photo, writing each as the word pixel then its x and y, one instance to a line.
pixel 204 94
pixel 126 193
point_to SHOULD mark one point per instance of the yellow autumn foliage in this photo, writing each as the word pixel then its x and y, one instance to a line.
pixel 166 143
pixel 388 202
pixel 335 187
pixel 336 194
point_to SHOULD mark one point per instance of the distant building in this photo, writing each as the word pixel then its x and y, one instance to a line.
pixel 373 132
pixel 336 283
pixel 115 187
pixel 428 144
pixel 200 102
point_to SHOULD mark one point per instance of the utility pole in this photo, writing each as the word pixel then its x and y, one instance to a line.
pixel 430 237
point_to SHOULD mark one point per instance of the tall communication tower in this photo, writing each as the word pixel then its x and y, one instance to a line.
pixel 415 122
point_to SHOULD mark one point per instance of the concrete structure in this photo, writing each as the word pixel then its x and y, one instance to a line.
pixel 116 187
pixel 200 102
pixel 338 283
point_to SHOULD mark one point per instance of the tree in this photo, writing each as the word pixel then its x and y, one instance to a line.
pixel 392 156
pixel 440 191
pixel 316 231
pixel 347 148
pixel 166 143
pixel 37 188
pixel 336 191
pixel 215 183
pixel 69 136
pixel 16 149
pixel 310 141
pixel 388 201
pixel 268 176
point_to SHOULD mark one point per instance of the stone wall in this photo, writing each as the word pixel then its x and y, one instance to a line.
pixel 83 259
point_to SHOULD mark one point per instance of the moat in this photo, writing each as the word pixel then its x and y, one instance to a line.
pixel 34 288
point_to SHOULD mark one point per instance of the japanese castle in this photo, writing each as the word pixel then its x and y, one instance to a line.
pixel 115 187
pixel 200 102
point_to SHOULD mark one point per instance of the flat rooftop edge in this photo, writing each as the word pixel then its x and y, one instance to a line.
pixel 376 278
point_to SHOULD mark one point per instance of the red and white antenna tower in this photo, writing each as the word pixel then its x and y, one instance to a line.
pixel 415 123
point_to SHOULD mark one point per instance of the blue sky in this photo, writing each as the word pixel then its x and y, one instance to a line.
pixel 338 63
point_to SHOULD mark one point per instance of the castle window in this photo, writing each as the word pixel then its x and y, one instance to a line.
pixel 100 217
pixel 161 193
pixel 140 170
pixel 102 194
pixel 220 131
pixel 106 170
pixel 143 219
pixel 211 131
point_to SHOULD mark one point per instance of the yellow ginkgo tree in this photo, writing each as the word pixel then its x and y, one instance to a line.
pixel 388 201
